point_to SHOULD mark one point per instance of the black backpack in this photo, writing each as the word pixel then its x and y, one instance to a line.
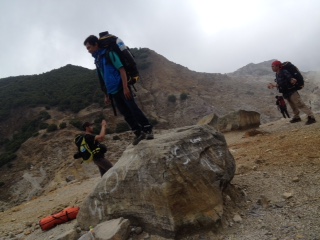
pixel 295 73
pixel 84 150
pixel 113 43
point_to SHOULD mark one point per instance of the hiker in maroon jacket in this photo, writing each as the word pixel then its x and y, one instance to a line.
pixel 285 85
pixel 282 106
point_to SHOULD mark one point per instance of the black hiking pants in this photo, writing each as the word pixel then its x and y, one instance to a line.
pixel 132 113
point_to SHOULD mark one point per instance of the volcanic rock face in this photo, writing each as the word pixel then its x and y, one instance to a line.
pixel 166 184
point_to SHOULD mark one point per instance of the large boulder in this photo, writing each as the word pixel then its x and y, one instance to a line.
pixel 239 120
pixel 166 185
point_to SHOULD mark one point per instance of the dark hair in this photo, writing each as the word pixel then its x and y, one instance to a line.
pixel 92 40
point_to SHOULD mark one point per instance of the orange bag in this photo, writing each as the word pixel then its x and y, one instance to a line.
pixel 59 218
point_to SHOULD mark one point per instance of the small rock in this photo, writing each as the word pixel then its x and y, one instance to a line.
pixel 280 204
pixel 228 198
pixel 116 137
pixel 287 195
pixel 27 232
pixel 263 201
pixel 237 218
pixel 136 230
pixel 295 179
pixel 70 178
pixel 259 161
pixel 28 224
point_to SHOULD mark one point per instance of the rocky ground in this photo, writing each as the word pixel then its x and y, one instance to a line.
pixel 274 194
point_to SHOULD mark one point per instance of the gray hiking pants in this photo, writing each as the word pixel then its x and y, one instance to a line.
pixel 297 104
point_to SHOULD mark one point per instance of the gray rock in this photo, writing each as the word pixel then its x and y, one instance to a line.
pixel 165 185
pixel 113 229
pixel 238 120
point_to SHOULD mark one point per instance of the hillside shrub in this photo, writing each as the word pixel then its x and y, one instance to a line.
pixel 6 158
pixel 172 98
pixel 76 123
pixel 122 127
pixel 183 96
pixel 52 127
pixel 44 115
pixel 110 131
pixel 62 125
pixel 43 125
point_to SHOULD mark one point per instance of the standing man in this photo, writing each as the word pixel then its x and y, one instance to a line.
pixel 282 106
pixel 114 83
pixel 285 84
pixel 93 142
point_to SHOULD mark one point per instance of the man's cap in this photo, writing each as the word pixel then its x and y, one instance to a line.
pixel 276 63
pixel 86 124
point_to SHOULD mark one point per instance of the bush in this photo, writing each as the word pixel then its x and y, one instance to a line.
pixel 43 125
pixel 6 158
pixel 35 134
pixel 172 98
pixel 183 96
pixel 122 127
pixel 109 131
pixel 44 115
pixel 76 123
pixel 52 128
pixel 62 125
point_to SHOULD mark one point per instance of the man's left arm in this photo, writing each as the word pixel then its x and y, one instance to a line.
pixel 119 65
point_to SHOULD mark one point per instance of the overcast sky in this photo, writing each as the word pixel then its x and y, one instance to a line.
pixel 204 35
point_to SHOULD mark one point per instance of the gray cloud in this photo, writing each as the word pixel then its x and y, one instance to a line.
pixel 205 36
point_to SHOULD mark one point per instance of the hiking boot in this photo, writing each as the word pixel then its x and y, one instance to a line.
pixel 149 135
pixel 294 120
pixel 310 120
pixel 138 138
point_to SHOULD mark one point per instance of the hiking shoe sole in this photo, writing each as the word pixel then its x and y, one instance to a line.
pixel 294 120
pixel 310 121
pixel 149 136
pixel 139 138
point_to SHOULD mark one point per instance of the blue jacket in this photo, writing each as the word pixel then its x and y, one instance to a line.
pixel 108 71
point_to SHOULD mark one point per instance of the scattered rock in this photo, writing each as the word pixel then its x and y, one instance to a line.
pixel 237 218
pixel 70 178
pixel 296 179
pixel 116 137
pixel 287 195
pixel 263 201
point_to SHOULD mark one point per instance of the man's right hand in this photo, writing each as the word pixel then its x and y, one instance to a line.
pixel 104 123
